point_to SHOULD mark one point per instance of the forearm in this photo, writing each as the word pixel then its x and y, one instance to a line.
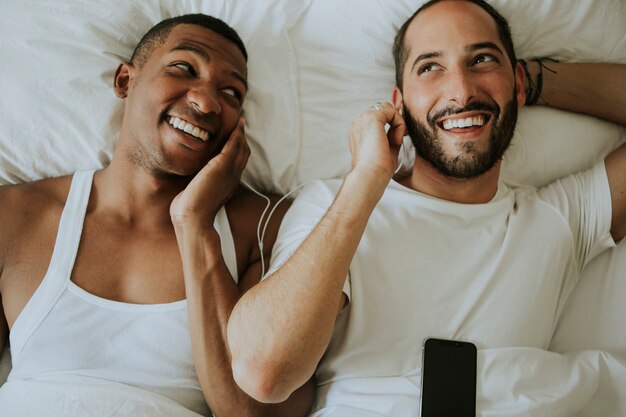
pixel 280 329
pixel 594 89
pixel 211 295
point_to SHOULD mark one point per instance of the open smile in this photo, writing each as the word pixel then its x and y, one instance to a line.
pixel 464 122
pixel 189 128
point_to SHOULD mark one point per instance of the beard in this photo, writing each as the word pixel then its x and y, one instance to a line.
pixel 470 161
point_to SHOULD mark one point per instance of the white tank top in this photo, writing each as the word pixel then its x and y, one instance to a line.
pixel 64 330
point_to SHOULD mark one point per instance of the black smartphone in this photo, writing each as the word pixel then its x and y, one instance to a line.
pixel 448 378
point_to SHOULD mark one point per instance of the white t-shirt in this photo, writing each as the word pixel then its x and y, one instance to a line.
pixel 496 274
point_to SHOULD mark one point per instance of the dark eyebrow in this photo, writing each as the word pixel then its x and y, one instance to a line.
pixel 201 53
pixel 483 45
pixel 469 48
pixel 422 57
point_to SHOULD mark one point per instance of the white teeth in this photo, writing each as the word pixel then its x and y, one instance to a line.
pixel 187 127
pixel 461 123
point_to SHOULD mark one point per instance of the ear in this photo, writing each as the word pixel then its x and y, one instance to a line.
pixel 396 99
pixel 519 83
pixel 122 79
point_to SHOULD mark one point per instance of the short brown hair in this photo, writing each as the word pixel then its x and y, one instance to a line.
pixel 401 54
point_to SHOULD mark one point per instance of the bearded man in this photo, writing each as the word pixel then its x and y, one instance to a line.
pixel 449 251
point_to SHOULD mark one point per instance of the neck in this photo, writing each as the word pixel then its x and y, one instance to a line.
pixel 134 195
pixel 428 180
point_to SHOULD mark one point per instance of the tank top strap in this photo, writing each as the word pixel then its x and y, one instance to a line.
pixel 71 224
pixel 61 263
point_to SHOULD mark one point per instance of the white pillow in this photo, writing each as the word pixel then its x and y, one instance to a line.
pixel 345 64
pixel 58 111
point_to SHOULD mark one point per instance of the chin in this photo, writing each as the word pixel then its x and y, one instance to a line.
pixel 173 169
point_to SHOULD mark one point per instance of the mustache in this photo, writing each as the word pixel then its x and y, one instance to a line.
pixel 473 106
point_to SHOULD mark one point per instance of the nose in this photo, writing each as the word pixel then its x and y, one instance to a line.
pixel 204 98
pixel 462 88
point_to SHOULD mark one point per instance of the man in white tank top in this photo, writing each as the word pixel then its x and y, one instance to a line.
pixel 117 285
pixel 448 251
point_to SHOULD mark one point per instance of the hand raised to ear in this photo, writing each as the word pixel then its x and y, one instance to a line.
pixel 373 148
pixel 211 188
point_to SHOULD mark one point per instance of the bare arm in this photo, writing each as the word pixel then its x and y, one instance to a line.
pixel 280 329
pixel 211 291
pixel 211 295
pixel 597 90
pixel 594 89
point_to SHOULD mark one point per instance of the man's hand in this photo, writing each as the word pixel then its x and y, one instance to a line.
pixel 374 150
pixel 209 190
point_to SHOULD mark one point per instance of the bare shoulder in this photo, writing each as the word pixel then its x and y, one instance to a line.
pixel 25 207
pixel 34 196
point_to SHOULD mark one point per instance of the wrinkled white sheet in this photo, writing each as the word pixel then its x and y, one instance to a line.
pixel 512 382
pixel 74 396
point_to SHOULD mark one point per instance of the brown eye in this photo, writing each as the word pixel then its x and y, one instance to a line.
pixel 185 67
pixel 233 92
pixel 484 58
pixel 428 68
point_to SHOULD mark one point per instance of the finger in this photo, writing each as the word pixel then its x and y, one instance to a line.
pixel 383 111
pixel 234 140
pixel 386 113
pixel 242 151
pixel 397 129
pixel 233 144
pixel 224 159
pixel 242 157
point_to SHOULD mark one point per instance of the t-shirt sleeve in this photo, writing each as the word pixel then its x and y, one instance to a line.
pixel 303 215
pixel 584 200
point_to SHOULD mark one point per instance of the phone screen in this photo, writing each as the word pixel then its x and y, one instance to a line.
pixel 449 378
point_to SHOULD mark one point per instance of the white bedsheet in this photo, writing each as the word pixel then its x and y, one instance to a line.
pixel 513 382
pixel 74 396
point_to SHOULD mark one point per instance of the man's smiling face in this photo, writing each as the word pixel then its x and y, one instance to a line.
pixel 459 92
pixel 182 104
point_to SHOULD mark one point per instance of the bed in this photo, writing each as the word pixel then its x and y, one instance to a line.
pixel 314 66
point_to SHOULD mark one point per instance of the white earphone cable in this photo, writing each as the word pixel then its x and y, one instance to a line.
pixel 262 226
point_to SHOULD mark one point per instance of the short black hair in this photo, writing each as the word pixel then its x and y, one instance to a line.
pixel 156 36
pixel 401 54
